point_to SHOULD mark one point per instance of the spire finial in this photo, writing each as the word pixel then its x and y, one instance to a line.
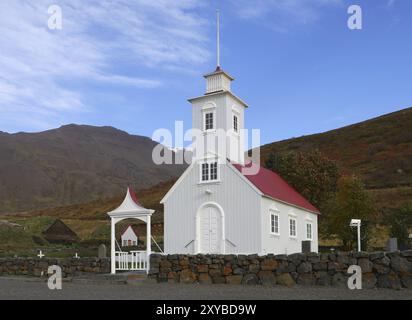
pixel 218 38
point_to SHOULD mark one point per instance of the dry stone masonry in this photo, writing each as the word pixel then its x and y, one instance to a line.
pixel 38 267
pixel 380 269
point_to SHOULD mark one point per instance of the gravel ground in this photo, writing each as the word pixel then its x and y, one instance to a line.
pixel 12 288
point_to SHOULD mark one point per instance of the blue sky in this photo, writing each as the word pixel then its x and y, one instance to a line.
pixel 134 64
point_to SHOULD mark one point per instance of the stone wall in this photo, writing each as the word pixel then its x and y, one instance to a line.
pixel 380 270
pixel 38 267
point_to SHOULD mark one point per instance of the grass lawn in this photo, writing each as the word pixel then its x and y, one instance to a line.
pixel 22 236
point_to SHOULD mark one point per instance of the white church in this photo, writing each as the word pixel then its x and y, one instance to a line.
pixel 222 204
pixel 216 207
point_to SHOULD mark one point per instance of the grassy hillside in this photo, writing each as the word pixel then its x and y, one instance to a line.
pixel 97 210
pixel 18 232
pixel 378 150
pixel 74 164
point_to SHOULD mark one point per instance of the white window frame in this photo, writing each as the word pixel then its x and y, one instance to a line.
pixel 213 171
pixel 274 214
pixel 294 236
pixel 235 123
pixel 308 223
pixel 205 117
pixel 209 164
pixel 204 172
pixel 209 110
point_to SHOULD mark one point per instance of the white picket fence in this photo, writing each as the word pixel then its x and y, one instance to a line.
pixel 131 261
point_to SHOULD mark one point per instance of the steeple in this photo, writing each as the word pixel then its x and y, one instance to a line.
pixel 219 117
pixel 218 80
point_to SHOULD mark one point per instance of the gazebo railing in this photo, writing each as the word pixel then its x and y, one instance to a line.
pixel 138 260
pixel 133 261
pixel 122 260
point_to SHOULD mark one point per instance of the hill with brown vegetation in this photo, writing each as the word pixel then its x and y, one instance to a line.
pixel 97 210
pixel 74 164
pixel 22 232
pixel 377 150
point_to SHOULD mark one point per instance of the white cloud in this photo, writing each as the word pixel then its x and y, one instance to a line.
pixel 39 68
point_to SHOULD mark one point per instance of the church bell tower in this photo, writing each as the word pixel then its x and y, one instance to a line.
pixel 218 118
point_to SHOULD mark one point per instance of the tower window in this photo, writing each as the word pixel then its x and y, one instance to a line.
pixel 235 123
pixel 209 121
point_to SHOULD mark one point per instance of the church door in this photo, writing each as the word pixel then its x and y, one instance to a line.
pixel 210 229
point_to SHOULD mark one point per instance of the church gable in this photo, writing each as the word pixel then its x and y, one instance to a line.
pixel 191 179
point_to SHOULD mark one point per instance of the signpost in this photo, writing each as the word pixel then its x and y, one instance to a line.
pixel 357 223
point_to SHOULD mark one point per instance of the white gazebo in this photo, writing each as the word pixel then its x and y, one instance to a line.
pixel 133 260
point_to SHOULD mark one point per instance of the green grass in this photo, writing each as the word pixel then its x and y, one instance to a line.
pixel 19 240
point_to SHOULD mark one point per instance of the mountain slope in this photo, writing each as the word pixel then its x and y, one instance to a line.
pixel 84 165
pixel 74 164
pixel 378 150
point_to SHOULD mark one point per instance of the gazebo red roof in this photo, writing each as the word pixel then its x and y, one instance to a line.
pixel 133 196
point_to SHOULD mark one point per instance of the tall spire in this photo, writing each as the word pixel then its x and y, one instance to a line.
pixel 218 38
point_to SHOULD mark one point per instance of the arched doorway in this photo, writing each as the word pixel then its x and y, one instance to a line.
pixel 210 229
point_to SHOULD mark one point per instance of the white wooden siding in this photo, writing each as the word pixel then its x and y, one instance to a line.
pixel 283 243
pixel 239 201
pixel 225 106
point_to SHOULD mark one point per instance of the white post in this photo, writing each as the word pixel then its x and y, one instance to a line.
pixel 357 223
pixel 113 247
pixel 148 240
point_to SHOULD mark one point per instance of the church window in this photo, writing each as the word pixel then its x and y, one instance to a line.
pixel 235 124
pixel 209 125
pixel 205 171
pixel 292 227
pixel 213 171
pixel 274 222
pixel 309 231
pixel 209 172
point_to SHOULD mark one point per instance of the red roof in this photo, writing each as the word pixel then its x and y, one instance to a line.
pixel 273 186
pixel 134 197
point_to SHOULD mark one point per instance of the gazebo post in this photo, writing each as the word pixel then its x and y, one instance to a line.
pixel 113 246
pixel 148 240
